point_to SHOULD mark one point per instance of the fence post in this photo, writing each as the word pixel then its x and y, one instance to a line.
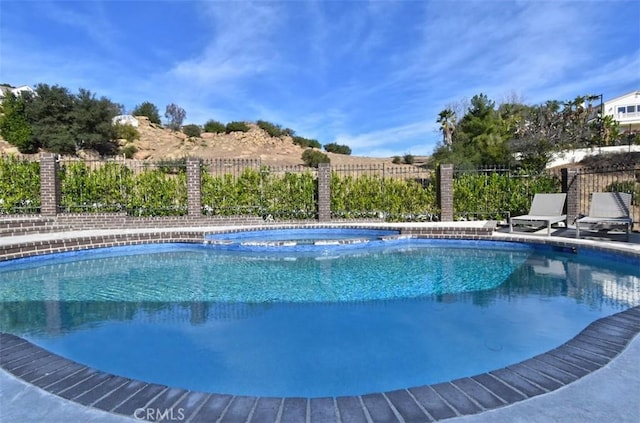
pixel 49 185
pixel 445 192
pixel 194 185
pixel 324 192
pixel 571 186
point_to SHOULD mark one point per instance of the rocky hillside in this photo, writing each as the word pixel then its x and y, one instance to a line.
pixel 158 143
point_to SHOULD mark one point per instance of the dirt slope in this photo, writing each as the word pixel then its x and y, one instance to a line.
pixel 158 143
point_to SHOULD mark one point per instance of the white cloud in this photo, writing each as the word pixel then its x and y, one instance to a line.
pixel 240 46
pixel 393 140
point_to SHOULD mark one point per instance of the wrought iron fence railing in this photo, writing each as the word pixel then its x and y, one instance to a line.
pixel 611 179
pixel 498 193
pixel 248 187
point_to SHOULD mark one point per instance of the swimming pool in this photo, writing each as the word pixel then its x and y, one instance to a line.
pixel 408 313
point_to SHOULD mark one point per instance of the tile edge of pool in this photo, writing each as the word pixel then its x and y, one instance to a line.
pixel 593 348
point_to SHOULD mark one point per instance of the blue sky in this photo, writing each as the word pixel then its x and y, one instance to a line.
pixel 369 74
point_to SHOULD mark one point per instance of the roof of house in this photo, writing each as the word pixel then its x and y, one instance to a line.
pixel 635 93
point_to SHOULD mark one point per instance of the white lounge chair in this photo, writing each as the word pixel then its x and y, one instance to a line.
pixel 546 209
pixel 608 211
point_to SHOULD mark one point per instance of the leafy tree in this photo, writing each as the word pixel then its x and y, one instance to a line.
pixel 62 122
pixel 192 130
pixel 539 135
pixel 214 126
pixel 337 148
pixel 313 157
pixel 175 114
pixel 149 110
pixel 14 126
pixel 51 116
pixel 477 139
pixel 92 127
pixel 557 126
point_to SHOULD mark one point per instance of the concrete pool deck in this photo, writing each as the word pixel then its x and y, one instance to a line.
pixel 581 392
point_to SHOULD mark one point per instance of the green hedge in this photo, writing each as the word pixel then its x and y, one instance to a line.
pixel 492 195
pixel 162 191
pixel 374 197
pixel 19 186
pixel 113 187
pixel 260 193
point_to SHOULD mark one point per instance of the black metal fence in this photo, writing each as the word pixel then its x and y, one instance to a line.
pixel 248 187
pixel 611 179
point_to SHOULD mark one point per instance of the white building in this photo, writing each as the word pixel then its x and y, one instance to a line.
pixel 4 90
pixel 125 120
pixel 625 110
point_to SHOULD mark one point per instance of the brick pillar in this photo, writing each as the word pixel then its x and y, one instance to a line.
pixel 445 192
pixel 324 192
pixel 194 184
pixel 49 185
pixel 571 186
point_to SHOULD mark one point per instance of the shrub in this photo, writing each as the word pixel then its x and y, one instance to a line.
pixel 272 129
pixel 127 132
pixel 337 148
pixel 306 143
pixel 149 110
pixel 192 130
pixel 236 127
pixel 214 126
pixel 314 157
pixel 396 160
pixel 128 151
pixel 408 159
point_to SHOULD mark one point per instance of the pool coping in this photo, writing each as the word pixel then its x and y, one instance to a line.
pixel 594 347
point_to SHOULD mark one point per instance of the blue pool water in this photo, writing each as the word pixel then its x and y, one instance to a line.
pixel 335 322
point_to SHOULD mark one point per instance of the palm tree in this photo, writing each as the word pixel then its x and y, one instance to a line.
pixel 447 121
